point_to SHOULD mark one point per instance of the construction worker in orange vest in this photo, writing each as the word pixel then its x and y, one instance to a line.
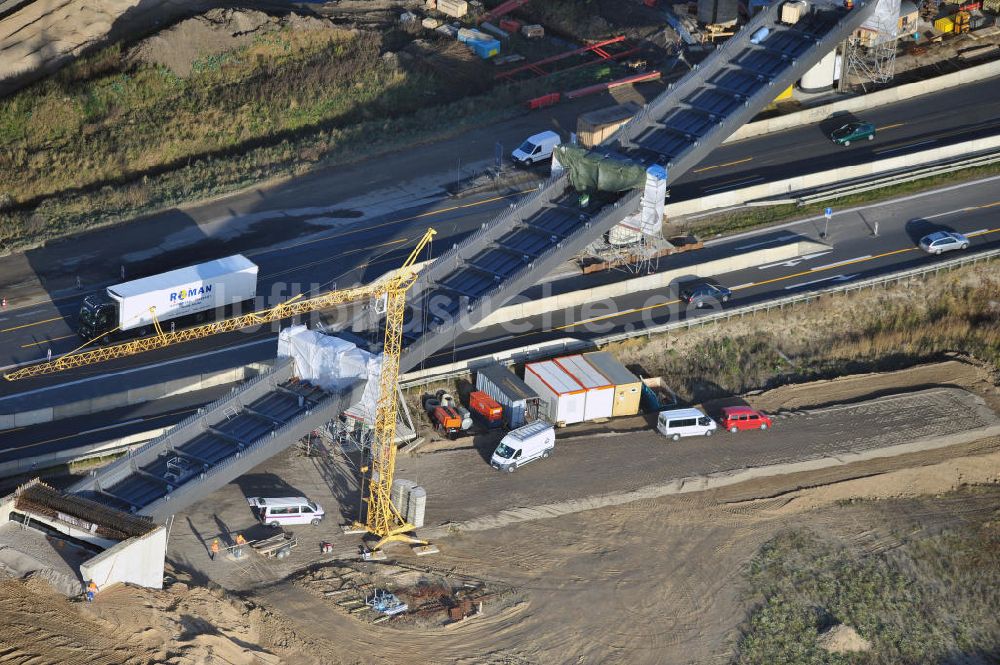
pixel 240 542
pixel 214 549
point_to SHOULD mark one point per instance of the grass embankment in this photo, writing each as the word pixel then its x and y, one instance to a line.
pixel 106 139
pixel 880 330
pixel 932 600
pixel 744 219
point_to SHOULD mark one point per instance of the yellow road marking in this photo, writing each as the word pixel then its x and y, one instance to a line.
pixel 46 341
pixel 327 259
pixel 28 325
pixel 719 166
pixel 892 126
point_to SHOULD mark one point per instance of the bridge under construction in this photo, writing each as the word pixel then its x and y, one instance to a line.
pixel 469 281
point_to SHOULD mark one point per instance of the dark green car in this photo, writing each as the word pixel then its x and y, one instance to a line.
pixel 853 131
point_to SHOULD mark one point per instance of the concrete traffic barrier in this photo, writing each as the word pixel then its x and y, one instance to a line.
pixel 659 281
pixel 131 397
pixel 781 188
pixel 863 103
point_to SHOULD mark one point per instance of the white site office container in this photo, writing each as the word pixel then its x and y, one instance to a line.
pixel 600 402
pixel 565 398
pixel 199 288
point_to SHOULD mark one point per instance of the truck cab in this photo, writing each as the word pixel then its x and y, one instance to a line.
pixel 98 317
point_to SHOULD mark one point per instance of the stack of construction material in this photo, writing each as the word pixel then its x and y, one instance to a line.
pixel 410 501
pixel 455 8
pixel 416 505
pixel 594 127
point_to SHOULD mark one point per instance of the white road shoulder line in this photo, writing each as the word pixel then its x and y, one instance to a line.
pixel 732 185
pixel 835 278
pixel 904 147
pixel 787 236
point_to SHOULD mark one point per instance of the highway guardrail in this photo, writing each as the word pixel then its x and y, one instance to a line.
pixel 570 345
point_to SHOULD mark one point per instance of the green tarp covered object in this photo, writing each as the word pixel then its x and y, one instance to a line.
pixel 593 172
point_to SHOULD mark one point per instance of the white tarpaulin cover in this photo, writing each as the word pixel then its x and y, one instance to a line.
pixel 331 363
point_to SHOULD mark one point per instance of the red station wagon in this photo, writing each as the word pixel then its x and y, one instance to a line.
pixel 736 418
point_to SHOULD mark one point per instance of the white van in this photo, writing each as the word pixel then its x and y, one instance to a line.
pixel 524 444
pixel 285 511
pixel 685 422
pixel 536 149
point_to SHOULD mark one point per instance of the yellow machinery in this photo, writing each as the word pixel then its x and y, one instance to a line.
pixel 383 519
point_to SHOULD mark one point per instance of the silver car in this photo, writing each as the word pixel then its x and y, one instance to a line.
pixel 943 241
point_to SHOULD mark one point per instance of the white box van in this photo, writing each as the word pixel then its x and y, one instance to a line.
pixel 684 422
pixel 523 445
pixel 285 511
pixel 536 149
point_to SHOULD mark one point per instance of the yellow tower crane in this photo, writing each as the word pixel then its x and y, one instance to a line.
pixel 383 520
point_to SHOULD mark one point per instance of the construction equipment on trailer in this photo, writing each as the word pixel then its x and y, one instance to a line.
pixel 541 68
pixel 293 307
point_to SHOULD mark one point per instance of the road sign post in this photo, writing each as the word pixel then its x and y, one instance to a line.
pixel 828 213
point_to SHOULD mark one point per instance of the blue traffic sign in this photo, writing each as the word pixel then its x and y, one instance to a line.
pixel 828 212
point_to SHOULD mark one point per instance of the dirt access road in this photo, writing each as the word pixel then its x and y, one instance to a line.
pixel 653 580
pixel 615 464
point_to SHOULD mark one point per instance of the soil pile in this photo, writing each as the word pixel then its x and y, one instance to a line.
pixel 216 31
pixel 181 624
pixel 842 639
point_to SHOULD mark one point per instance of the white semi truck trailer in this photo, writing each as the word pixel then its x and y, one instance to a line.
pixel 186 295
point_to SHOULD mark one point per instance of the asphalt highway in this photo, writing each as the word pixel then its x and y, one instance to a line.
pixel 855 253
pixel 927 122
pixel 354 250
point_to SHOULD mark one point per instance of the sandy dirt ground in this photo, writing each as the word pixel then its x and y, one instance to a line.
pixel 651 580
pixel 647 582
pixel 45 34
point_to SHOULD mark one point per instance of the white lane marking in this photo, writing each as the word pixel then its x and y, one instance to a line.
pixel 743 286
pixel 868 206
pixel 904 147
pixel 787 236
pixel 731 185
pixel 228 349
pixel 115 426
pixel 835 278
pixel 790 263
pixel 31 313
pixel 841 263
pixel 977 233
